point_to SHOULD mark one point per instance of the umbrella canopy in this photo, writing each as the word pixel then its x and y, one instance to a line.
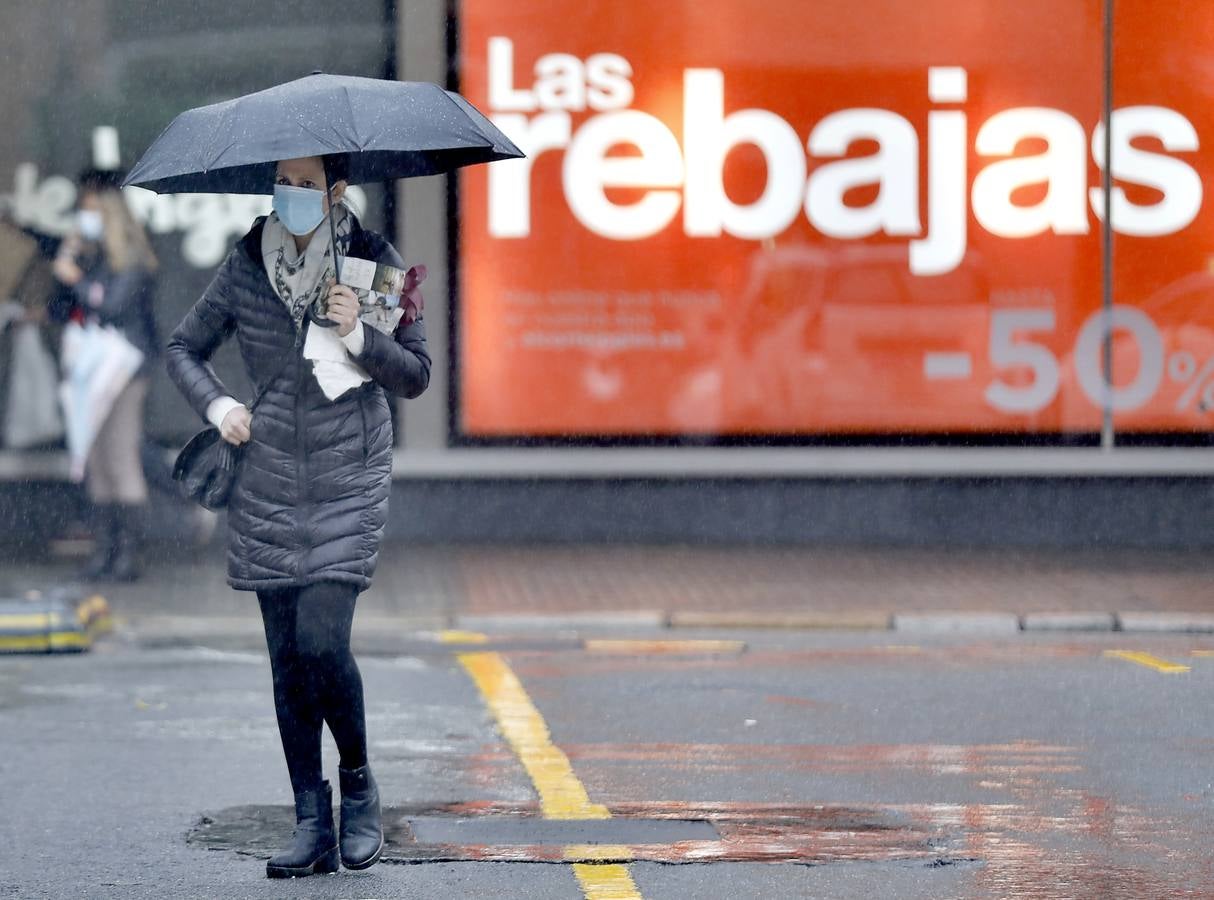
pixel 99 362
pixel 391 129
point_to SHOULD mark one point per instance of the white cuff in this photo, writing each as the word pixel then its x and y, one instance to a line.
pixel 218 409
pixel 354 340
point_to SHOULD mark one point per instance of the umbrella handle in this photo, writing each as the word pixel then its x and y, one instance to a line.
pixel 316 319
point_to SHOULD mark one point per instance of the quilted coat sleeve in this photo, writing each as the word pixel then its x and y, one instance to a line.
pixel 188 354
pixel 398 362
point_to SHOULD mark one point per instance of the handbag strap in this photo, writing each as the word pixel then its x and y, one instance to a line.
pixel 260 395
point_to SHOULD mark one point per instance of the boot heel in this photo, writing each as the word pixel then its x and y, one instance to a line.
pixel 327 864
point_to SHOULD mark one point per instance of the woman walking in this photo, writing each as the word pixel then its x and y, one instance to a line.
pixel 109 268
pixel 309 503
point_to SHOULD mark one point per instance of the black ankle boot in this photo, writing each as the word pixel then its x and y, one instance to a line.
pixel 314 850
pixel 105 543
pixel 362 833
pixel 126 564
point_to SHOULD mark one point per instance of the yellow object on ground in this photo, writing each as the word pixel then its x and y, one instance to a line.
pixel 63 620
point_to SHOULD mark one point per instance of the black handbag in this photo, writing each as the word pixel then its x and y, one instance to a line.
pixel 206 466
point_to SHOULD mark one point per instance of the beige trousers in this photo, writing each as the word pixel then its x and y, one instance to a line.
pixel 114 471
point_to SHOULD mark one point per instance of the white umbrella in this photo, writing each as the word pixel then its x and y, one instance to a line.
pixel 98 363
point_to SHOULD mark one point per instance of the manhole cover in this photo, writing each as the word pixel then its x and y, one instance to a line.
pixel 528 830
pixel 656 831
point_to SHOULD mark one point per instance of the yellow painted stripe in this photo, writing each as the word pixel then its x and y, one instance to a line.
pixel 1148 660
pixel 598 853
pixel 73 639
pixel 606 882
pixel 453 636
pixel 1202 654
pixel 660 648
pixel 30 642
pixel 19 621
pixel 44 641
pixel 562 795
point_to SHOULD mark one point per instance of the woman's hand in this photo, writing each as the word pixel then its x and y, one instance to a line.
pixel 66 270
pixel 343 308
pixel 237 426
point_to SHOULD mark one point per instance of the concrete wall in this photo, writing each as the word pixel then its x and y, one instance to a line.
pixel 1150 513
pixel 422 223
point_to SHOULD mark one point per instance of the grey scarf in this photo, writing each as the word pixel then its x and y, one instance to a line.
pixel 300 279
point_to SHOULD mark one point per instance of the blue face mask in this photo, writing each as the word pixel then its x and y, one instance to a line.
pixel 299 209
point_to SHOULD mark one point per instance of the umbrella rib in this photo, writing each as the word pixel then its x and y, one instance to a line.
pixel 358 141
pixel 211 156
pixel 215 156
pixel 333 148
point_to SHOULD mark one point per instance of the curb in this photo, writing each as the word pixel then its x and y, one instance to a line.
pixel 956 623
pixel 1069 621
pixel 377 628
pixel 558 621
pixel 850 621
pixel 1167 622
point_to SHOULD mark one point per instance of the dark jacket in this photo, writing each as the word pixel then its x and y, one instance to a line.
pixel 311 494
pixel 127 303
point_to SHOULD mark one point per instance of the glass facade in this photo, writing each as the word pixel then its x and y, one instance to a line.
pixel 741 222
pixel 127 67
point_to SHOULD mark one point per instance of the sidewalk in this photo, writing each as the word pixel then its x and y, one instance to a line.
pixel 427 587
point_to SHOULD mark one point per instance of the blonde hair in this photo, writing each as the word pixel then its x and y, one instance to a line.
pixel 126 243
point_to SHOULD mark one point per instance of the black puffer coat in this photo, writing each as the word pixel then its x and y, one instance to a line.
pixel 311 496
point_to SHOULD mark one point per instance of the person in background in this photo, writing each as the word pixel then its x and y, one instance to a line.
pixel 109 269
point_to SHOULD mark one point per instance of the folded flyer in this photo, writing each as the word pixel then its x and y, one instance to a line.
pixel 384 284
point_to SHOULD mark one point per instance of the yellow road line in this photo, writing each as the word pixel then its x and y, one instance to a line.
pixel 1148 660
pixel 1202 654
pixel 606 882
pixel 454 636
pixel 660 648
pixel 562 795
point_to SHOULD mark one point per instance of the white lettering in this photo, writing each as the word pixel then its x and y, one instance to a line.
pixel 566 85
pixel 1179 183
pixel 609 76
pixel 709 135
pixel 947 217
pixel 503 96
pixel 510 180
pixel 589 170
pixel 1062 168
pixel 894 167
pixel 560 82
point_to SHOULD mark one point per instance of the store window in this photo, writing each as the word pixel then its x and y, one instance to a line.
pixel 865 222
pixel 99 79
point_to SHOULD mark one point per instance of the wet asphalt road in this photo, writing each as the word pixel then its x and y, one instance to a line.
pixel 828 764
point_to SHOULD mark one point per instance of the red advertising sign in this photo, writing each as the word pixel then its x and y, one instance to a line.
pixel 838 218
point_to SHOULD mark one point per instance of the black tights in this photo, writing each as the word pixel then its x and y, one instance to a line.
pixel 316 679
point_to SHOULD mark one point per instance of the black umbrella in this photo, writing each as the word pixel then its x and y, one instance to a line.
pixel 390 129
